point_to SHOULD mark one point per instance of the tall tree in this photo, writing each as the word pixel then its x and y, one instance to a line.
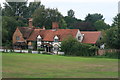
pixel 93 17
pixel 112 37
pixel 101 25
pixel 9 25
pixel 15 9
pixel 71 13
pixel 44 17
pixel 32 7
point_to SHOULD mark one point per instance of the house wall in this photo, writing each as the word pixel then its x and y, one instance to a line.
pixel 79 34
pixel 18 33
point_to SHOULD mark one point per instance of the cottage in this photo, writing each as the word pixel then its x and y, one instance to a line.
pixel 50 40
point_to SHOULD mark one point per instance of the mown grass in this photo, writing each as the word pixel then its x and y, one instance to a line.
pixel 17 65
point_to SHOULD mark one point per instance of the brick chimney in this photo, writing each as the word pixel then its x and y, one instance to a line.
pixel 43 27
pixel 30 22
pixel 55 25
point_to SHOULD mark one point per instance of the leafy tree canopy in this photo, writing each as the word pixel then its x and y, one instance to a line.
pixel 71 13
pixel 93 17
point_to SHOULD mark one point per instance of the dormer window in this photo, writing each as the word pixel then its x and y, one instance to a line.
pixel 79 37
pixel 39 38
pixel 56 39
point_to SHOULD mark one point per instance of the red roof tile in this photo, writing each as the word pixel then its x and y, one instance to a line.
pixel 26 31
pixel 91 36
pixel 48 35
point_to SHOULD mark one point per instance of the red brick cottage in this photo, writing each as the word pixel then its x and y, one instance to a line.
pixel 25 37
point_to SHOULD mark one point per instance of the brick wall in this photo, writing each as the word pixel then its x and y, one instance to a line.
pixel 19 34
pixel 55 25
pixel 103 51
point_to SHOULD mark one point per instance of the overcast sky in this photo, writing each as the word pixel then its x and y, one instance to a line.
pixel 108 8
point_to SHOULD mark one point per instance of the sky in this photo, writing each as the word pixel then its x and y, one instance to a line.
pixel 108 8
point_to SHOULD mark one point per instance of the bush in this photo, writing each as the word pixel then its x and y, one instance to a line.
pixel 112 55
pixel 29 51
pixel 41 49
pixel 72 47
pixel 46 53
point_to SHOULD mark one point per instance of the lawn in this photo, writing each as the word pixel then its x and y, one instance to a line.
pixel 18 65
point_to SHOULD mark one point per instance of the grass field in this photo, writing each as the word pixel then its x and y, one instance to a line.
pixel 17 65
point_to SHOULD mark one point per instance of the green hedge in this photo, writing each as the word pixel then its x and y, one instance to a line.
pixel 112 55
pixel 72 47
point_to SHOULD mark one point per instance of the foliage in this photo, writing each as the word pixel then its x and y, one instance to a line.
pixel 32 7
pixel 116 20
pixel 9 25
pixel 70 21
pixel 34 44
pixel 72 47
pixel 93 17
pixel 111 38
pixel 100 25
pixel 92 22
pixel 45 16
pixel 116 23
pixel 68 45
pixel 71 13
pixel 83 26
pixel 15 14
pixel 15 9
pixel 40 49
pixel 111 55
pixel 46 53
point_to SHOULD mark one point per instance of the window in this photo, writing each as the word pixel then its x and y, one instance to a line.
pixel 38 39
pixel 17 38
pixel 55 40
pixel 79 37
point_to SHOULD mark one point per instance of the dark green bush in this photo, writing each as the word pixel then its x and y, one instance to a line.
pixel 72 47
pixel 41 49
pixel 29 51
pixel 46 53
pixel 112 55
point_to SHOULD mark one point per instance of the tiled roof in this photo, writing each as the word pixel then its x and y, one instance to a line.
pixel 26 31
pixel 31 34
pixel 91 36
pixel 48 35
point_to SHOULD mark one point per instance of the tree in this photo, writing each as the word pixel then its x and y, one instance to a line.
pixel 93 17
pixel 72 47
pixel 112 35
pixel 100 25
pixel 111 38
pixel 15 9
pixel 44 17
pixel 71 13
pixel 116 20
pixel 8 27
pixel 32 7
pixel 70 21
pixel 68 45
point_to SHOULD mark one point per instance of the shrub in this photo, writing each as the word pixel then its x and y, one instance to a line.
pixel 112 55
pixel 41 49
pixel 46 53
pixel 29 51
pixel 72 47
